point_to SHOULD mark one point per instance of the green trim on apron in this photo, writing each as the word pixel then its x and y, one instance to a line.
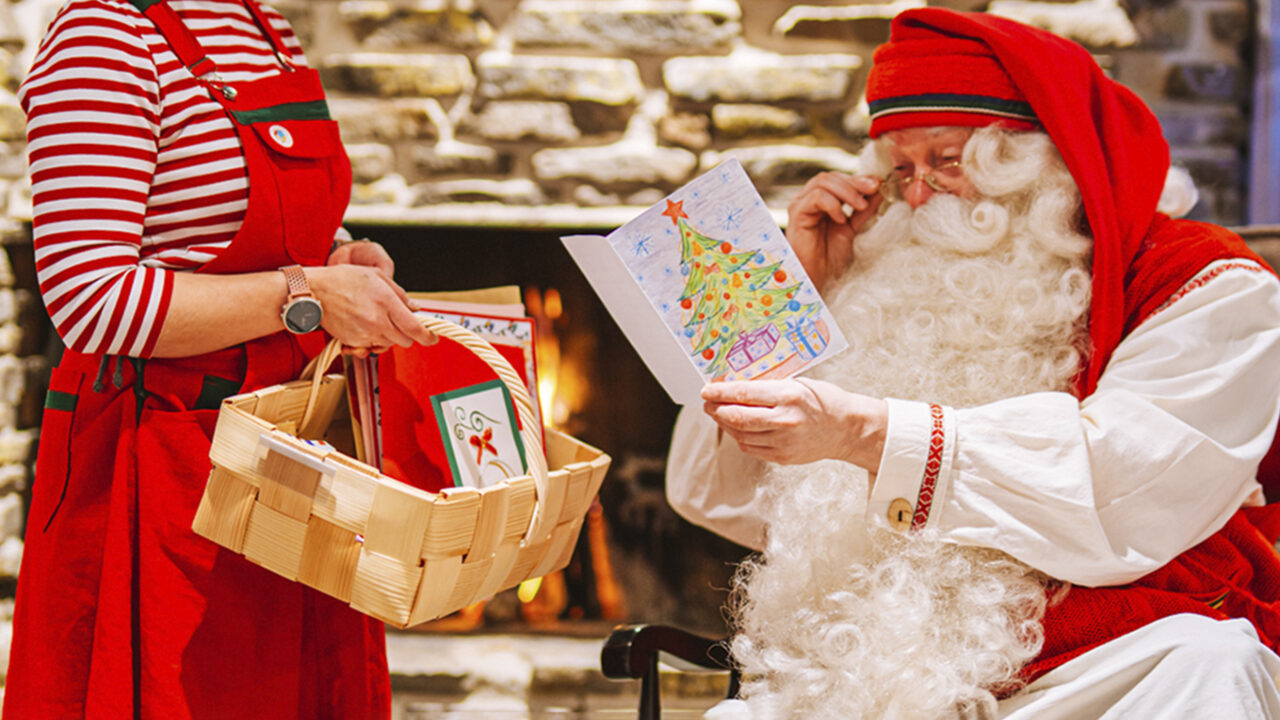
pixel 313 110
pixel 58 400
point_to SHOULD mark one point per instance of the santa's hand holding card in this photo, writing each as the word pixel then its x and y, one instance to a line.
pixel 799 421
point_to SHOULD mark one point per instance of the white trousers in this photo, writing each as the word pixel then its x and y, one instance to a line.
pixel 1183 667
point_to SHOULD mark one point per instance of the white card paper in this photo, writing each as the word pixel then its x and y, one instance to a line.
pixel 480 433
pixel 706 288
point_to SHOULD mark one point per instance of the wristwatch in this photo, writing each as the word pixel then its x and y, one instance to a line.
pixel 302 312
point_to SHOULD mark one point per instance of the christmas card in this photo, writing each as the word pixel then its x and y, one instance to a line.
pixel 502 326
pixel 435 416
pixel 480 419
pixel 706 287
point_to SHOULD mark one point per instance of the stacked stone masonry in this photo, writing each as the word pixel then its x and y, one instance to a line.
pixel 528 112
pixel 570 113
pixel 544 112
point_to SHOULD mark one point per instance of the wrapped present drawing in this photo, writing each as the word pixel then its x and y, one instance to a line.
pixel 806 338
pixel 753 346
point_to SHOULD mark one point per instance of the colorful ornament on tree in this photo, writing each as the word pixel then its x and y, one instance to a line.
pixel 747 328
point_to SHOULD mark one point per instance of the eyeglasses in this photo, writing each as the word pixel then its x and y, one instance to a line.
pixel 944 178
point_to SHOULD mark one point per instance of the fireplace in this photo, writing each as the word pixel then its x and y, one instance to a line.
pixel 637 561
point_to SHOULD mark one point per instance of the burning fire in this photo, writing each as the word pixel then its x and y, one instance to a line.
pixel 560 386
pixel 561 391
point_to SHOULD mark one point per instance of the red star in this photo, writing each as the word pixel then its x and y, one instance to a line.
pixel 675 211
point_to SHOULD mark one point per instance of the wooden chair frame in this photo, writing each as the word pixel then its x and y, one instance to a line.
pixel 633 651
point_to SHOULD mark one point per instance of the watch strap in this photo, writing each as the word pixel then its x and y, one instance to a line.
pixel 297 280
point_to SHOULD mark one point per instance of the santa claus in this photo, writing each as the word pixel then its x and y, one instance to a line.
pixel 1029 489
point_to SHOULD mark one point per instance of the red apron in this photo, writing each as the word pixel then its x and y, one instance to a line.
pixel 122 611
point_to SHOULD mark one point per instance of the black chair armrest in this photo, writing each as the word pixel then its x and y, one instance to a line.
pixel 632 652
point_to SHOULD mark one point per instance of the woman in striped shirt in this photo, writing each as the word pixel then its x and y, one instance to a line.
pixel 181 156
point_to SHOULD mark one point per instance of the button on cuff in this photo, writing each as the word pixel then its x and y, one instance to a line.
pixel 900 514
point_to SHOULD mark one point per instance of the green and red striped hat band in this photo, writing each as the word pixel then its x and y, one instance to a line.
pixel 942 81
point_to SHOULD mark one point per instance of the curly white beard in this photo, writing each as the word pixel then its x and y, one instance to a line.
pixel 958 303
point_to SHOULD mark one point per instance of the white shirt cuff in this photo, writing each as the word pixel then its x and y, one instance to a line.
pixel 915 467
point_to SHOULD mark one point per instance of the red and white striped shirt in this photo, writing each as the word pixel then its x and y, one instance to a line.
pixel 136 171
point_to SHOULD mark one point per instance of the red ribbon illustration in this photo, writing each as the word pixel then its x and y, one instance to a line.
pixel 482 443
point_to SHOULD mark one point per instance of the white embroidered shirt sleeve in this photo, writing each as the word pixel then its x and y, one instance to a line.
pixel 915 467
pixel 1105 490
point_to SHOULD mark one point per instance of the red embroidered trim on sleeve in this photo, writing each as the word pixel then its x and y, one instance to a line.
pixel 1201 281
pixel 932 468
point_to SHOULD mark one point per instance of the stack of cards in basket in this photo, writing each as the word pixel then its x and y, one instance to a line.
pixel 438 416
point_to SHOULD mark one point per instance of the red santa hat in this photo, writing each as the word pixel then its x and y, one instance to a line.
pixel 942 67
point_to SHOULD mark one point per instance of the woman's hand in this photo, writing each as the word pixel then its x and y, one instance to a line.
pixel 818 228
pixel 364 309
pixel 365 253
pixel 799 421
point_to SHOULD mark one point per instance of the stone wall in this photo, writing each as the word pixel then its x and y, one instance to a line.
pixel 560 113
pixel 556 112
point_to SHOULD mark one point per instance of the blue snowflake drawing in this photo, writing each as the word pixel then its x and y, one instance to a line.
pixel 731 218
pixel 641 245
pixel 665 308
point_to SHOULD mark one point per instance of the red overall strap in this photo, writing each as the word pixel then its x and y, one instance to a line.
pixel 299 175
pixel 189 50
pixel 181 41
pixel 277 42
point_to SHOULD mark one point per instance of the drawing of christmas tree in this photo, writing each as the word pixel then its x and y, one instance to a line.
pixel 736 303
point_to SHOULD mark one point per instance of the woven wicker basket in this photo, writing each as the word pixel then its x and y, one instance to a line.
pixel 316 515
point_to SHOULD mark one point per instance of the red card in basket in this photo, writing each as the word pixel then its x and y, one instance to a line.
pixel 443 420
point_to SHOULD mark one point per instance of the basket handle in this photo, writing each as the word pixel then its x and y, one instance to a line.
pixel 529 428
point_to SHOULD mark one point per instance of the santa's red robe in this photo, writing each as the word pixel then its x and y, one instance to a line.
pixel 1235 573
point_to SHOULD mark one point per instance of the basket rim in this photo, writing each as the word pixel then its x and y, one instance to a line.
pixel 531 431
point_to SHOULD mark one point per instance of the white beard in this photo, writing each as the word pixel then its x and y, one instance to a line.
pixel 957 304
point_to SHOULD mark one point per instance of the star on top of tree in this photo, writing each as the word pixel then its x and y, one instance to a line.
pixel 675 211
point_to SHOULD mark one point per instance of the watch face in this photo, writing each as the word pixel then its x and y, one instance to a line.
pixel 302 316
